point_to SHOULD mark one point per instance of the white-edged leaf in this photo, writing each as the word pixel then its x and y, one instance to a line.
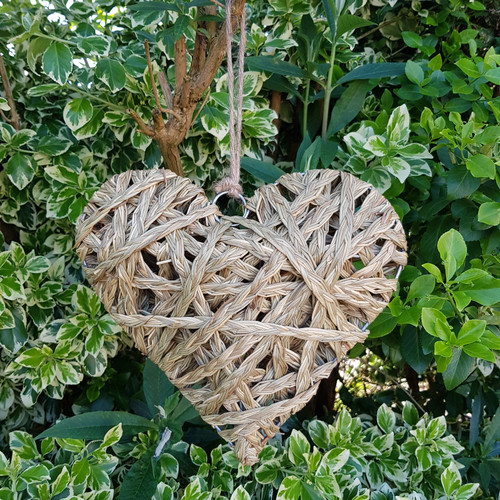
pixel 21 169
pixel 58 62
pixel 112 73
pixel 77 113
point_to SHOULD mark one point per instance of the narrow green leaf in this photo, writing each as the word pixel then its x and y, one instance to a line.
pixel 373 70
pixel 95 425
pixel 264 171
pixel 274 66
pixel 348 106
pixel 348 22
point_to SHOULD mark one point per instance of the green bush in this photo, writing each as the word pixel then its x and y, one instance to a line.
pixel 401 456
pixel 403 94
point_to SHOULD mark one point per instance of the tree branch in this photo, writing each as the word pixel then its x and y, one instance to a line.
pixel 165 88
pixel 169 151
pixel 14 117
pixel 215 56
pixel 180 65
pixel 145 129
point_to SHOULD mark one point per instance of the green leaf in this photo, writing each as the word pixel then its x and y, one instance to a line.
pixel 411 349
pixel 468 67
pixel 41 90
pixel 466 491
pixel 489 213
pixel 481 166
pixel 14 336
pixel 489 339
pixel 35 474
pixel 373 70
pixel 459 368
pixel 22 137
pixel 386 419
pixel 23 444
pixel 240 493
pixel 319 433
pixel 442 349
pixel 21 169
pixel 274 66
pixel 139 482
pixel 453 250
pixel 331 14
pixel 493 75
pixel 180 26
pixel 77 113
pixel 38 264
pixel 11 289
pixel 348 106
pixel 478 350
pixel 383 324
pixel 483 290
pixel 53 146
pixel 58 62
pixel 434 270
pixel 156 386
pixel 412 39
pixel 348 22
pixel 267 472
pixel 430 317
pixel 290 489
pixel 95 425
pixel 298 445
pixel 421 287
pixel 450 479
pixel 414 72
pixel 112 73
pixel 92 127
pixel 410 413
pixel 460 183
pixel 424 458
pixel 471 331
pixel 94 45
pixel 264 171
pixel 198 455
pixel 335 459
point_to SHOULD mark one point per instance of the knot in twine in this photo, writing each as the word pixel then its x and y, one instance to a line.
pixel 231 184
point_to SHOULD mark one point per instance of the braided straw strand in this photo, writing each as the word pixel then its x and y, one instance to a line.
pixel 246 315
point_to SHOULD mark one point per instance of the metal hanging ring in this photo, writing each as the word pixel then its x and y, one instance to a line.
pixel 240 196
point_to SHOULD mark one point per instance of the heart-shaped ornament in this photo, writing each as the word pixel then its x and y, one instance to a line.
pixel 244 315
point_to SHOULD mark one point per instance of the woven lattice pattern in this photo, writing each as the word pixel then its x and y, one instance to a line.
pixel 245 319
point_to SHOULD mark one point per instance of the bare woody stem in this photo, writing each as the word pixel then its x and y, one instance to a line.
pixel 190 86
pixel 14 117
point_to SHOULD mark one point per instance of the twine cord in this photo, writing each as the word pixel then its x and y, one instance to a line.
pixel 231 184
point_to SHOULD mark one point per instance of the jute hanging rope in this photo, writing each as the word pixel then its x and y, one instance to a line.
pixel 245 320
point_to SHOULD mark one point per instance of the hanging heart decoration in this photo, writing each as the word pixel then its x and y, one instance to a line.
pixel 244 315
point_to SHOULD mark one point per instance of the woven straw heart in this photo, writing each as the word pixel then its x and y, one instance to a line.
pixel 245 316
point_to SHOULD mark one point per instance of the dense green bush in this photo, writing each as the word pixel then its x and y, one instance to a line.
pixel 412 105
pixel 402 455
